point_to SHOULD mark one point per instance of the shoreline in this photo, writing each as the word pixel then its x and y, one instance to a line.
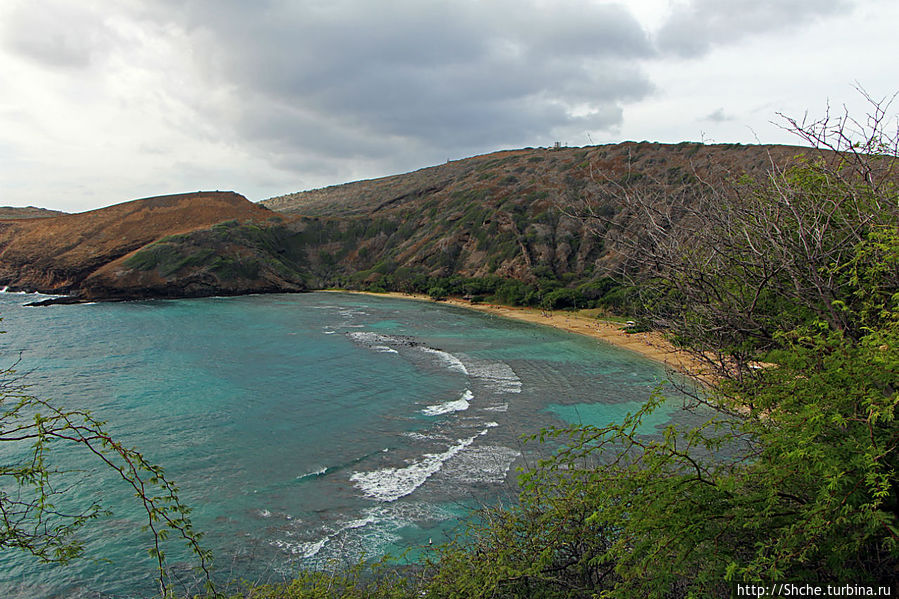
pixel 651 345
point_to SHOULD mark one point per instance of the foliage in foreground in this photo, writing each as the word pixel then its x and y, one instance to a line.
pixel 803 488
pixel 361 581
pixel 35 516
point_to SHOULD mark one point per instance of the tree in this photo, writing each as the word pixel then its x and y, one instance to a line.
pixel 31 519
pixel 438 293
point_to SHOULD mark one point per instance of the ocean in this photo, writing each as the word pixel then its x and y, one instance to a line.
pixel 305 431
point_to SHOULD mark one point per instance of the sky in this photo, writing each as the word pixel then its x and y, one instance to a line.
pixel 103 101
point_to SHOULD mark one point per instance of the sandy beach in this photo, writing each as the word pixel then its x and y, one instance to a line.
pixel 650 345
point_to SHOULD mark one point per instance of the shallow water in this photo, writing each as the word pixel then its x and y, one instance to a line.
pixel 307 429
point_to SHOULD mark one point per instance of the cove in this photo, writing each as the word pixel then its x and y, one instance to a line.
pixel 304 430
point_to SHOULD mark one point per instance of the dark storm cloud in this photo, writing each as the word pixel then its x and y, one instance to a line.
pixel 696 26
pixel 356 78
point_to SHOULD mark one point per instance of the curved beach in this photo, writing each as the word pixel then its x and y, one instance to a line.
pixel 651 345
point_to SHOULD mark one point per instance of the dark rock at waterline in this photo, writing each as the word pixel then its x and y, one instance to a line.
pixel 50 301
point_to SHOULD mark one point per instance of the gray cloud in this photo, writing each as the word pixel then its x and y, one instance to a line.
pixel 718 116
pixel 358 78
pixel 287 94
pixel 694 27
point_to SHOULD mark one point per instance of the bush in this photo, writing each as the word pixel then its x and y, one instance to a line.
pixel 437 293
pixel 562 298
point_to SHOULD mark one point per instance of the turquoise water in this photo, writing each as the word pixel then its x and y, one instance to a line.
pixel 304 430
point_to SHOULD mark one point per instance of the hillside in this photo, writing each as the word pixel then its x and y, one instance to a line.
pixel 9 212
pixel 513 174
pixel 83 253
pixel 501 217
pixel 505 214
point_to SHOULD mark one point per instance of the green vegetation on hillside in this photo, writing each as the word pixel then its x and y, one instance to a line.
pixel 230 255
pixel 546 292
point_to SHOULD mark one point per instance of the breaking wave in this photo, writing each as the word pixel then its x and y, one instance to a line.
pixel 457 405
pixel 389 484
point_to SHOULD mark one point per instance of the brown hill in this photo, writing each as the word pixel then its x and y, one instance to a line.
pixel 11 212
pixel 558 172
pixel 57 254
pixel 501 217
pixel 503 214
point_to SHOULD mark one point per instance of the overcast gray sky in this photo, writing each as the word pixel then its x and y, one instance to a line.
pixel 102 101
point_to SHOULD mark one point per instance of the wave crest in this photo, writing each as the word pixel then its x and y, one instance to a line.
pixel 456 405
pixel 390 484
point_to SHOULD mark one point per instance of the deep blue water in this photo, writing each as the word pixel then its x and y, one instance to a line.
pixel 304 430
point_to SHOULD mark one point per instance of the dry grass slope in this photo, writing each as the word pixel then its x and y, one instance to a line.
pixel 55 254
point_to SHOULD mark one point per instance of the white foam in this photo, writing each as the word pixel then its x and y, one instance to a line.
pixel 503 407
pixel 313 473
pixel 457 405
pixel 32 293
pixel 374 341
pixel 419 436
pixel 389 484
pixel 486 464
pixel 448 359
pixel 496 376
pixel 311 548
pixel 359 523
pixel 387 344
pixel 265 513
pixel 368 337
pixel 304 550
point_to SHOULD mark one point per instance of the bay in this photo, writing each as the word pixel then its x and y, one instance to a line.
pixel 306 431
